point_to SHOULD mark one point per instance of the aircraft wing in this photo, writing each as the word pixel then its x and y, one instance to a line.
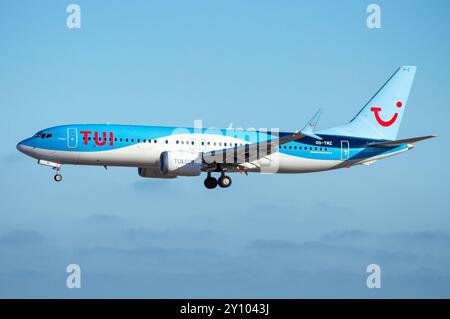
pixel 399 142
pixel 249 152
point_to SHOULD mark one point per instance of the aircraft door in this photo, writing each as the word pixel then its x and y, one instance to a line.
pixel 345 150
pixel 72 138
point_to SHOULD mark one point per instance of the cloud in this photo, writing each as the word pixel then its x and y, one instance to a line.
pixel 139 234
pixel 174 234
pixel 426 236
pixel 308 246
pixel 349 234
pixel 269 245
pixel 151 251
pixel 22 237
pixel 384 256
pixel 104 218
pixel 325 207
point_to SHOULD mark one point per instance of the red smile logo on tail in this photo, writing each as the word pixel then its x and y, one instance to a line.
pixel 376 111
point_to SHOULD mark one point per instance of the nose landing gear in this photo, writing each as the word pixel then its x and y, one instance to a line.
pixel 57 177
pixel 55 166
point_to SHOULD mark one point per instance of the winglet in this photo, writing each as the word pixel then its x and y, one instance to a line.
pixel 309 128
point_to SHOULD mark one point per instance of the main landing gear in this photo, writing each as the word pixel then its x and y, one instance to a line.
pixel 224 181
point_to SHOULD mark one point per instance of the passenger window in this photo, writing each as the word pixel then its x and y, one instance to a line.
pixel 167 142
pixel 132 140
pixel 155 141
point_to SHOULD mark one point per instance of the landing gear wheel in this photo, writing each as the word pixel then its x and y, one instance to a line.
pixel 224 181
pixel 58 177
pixel 210 182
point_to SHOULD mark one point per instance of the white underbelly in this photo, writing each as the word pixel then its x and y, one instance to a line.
pixel 284 163
pixel 133 155
pixel 141 156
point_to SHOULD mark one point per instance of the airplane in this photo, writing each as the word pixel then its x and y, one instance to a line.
pixel 169 152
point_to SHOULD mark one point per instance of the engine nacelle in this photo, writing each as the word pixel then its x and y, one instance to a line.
pixel 180 164
pixel 152 173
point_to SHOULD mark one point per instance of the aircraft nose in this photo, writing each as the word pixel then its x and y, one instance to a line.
pixel 24 146
pixel 20 147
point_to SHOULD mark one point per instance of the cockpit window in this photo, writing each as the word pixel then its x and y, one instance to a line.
pixel 42 135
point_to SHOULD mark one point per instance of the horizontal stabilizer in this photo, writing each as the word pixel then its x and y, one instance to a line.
pixel 399 142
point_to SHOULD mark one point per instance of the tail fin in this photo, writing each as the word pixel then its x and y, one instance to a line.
pixel 380 118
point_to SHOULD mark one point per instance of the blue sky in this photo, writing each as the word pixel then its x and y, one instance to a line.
pixel 250 63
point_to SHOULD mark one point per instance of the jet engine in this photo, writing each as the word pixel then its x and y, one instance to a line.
pixel 152 173
pixel 180 164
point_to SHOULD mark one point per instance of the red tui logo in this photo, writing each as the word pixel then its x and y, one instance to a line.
pixel 99 141
pixel 376 111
